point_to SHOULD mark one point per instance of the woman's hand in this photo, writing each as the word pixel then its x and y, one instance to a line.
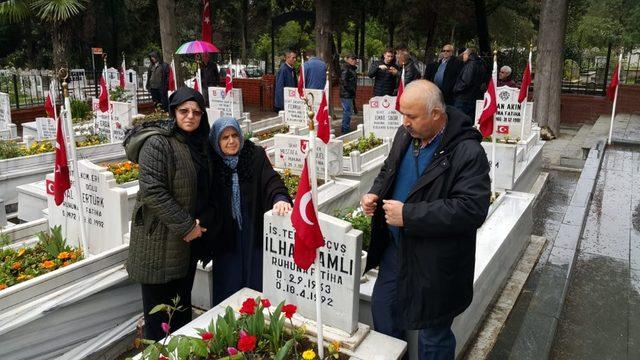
pixel 281 208
pixel 195 233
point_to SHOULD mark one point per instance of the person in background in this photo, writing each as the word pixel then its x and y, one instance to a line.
pixel 504 77
pixel 171 216
pixel 210 76
pixel 246 187
pixel 427 202
pixel 315 71
pixel 348 86
pixel 158 81
pixel 384 73
pixel 405 62
pixel 445 73
pixel 468 87
pixel 286 77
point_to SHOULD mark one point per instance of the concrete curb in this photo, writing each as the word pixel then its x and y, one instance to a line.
pixel 539 326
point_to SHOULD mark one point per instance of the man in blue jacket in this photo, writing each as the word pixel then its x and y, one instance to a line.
pixel 427 202
pixel 315 71
pixel 286 77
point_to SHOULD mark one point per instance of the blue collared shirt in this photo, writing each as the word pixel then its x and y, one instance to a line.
pixel 439 77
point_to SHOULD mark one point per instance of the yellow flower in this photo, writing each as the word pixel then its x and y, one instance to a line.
pixel 23 277
pixel 63 255
pixel 309 355
pixel 21 252
pixel 48 264
pixel 3 286
pixel 334 347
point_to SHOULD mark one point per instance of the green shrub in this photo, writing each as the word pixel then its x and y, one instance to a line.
pixel 80 109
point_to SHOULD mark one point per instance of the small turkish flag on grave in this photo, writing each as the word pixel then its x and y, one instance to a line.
pixel 489 108
pixel 61 170
pixel 400 90
pixel 503 129
pixel 324 128
pixel 103 98
pixel 228 82
pixel 308 237
pixel 48 105
pixel 301 80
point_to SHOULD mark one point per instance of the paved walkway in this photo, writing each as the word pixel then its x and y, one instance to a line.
pixel 601 316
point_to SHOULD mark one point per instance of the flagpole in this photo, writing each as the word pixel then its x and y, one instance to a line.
pixel 615 98
pixel 68 124
pixel 493 134
pixel 326 146
pixel 523 112
pixel 52 91
pixel 109 109
pixel 314 195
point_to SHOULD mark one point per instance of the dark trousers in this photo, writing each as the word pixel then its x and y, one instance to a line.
pixel 156 294
pixel 434 343
pixel 159 98
pixel 347 110
pixel 468 107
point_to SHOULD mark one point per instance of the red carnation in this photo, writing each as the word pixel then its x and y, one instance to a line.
pixel 247 343
pixel 289 310
pixel 266 303
pixel 207 336
pixel 248 307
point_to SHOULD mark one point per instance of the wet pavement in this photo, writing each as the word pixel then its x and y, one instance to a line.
pixel 601 315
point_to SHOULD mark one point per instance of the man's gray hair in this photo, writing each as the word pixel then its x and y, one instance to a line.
pixel 507 69
pixel 432 97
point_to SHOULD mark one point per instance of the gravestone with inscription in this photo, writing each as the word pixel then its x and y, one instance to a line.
pixel 223 104
pixel 104 205
pixel 505 165
pixel 46 128
pixel 78 81
pixel 120 120
pixel 295 109
pixel 5 111
pixel 381 117
pixel 509 114
pixel 339 271
pixel 101 120
pixel 290 151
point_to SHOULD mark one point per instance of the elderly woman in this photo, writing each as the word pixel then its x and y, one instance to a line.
pixel 246 187
pixel 171 207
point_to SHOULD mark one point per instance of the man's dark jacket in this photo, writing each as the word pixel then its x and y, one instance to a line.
pixel 411 72
pixel 348 82
pixel 384 82
pixel 445 207
pixel 468 86
pixel 286 77
pixel 451 72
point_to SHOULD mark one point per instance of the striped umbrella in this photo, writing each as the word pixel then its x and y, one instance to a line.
pixel 197 47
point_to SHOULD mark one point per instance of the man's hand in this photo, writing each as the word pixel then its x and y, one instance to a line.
pixel 393 212
pixel 281 208
pixel 382 67
pixel 195 233
pixel 394 71
pixel 369 203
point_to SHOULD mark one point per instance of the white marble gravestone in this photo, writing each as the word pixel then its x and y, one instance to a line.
pixel 46 128
pixel 339 271
pixel 290 151
pixel 113 78
pixel 120 120
pixel 381 117
pixel 295 109
pixel 101 120
pixel 223 105
pixel 104 205
pixel 505 164
pixel 77 83
pixel 509 114
pixel 5 111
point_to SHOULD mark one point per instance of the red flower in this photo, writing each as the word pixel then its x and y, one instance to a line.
pixel 248 307
pixel 247 343
pixel 289 310
pixel 266 303
pixel 207 336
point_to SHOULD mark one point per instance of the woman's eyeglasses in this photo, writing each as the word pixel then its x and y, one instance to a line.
pixel 185 112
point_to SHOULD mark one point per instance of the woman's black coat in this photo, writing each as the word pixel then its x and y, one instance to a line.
pixel 445 207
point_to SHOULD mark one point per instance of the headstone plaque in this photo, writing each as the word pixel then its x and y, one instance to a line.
pixel 102 120
pixel 339 271
pixel 225 105
pixel 113 78
pixel 131 87
pixel 509 114
pixel 290 151
pixel 295 109
pixel 5 111
pixel 120 120
pixel 46 128
pixel 505 166
pixel 381 117
pixel 104 205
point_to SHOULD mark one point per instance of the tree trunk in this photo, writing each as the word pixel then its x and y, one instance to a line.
pixel 428 49
pixel 482 27
pixel 363 21
pixel 339 43
pixel 168 33
pixel 548 72
pixel 60 35
pixel 356 39
pixel 244 37
pixel 323 30
pixel 391 30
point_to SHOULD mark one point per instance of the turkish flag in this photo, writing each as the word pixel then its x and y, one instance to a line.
pixel 196 86
pixel 322 117
pixel 61 181
pixel 400 90
pixel 301 80
pixel 172 79
pixel 526 81
pixel 103 99
pixel 489 108
pixel 308 236
pixel 228 82
pixel 615 80
pixel 503 129
pixel 121 74
pixel 48 105
pixel 207 28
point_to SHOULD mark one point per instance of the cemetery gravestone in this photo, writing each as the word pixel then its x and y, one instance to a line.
pixel 381 117
pixel 78 83
pixel 290 152
pixel 225 105
pixel 113 78
pixel 339 271
pixel 46 128
pixel 295 109
pixel 509 114
pixel 505 164
pixel 102 120
pixel 131 87
pixel 5 111
pixel 120 120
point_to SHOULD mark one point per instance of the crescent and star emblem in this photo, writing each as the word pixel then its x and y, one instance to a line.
pixel 304 202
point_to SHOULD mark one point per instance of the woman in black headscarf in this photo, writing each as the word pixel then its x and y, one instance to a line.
pixel 171 215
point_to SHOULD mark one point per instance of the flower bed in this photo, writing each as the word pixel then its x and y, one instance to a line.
pixel 51 252
pixel 124 171
pixel 362 144
pixel 10 149
pixel 359 220
pixel 252 335
pixel 505 140
pixel 264 135
pixel 291 181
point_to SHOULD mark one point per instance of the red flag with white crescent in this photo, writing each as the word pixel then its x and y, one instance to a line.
pixel 489 108
pixel 400 90
pixel 615 80
pixel 301 80
pixel 526 81
pixel 322 118
pixel 61 181
pixel 228 82
pixel 172 78
pixel 308 237
pixel 49 105
pixel 121 75
pixel 103 98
